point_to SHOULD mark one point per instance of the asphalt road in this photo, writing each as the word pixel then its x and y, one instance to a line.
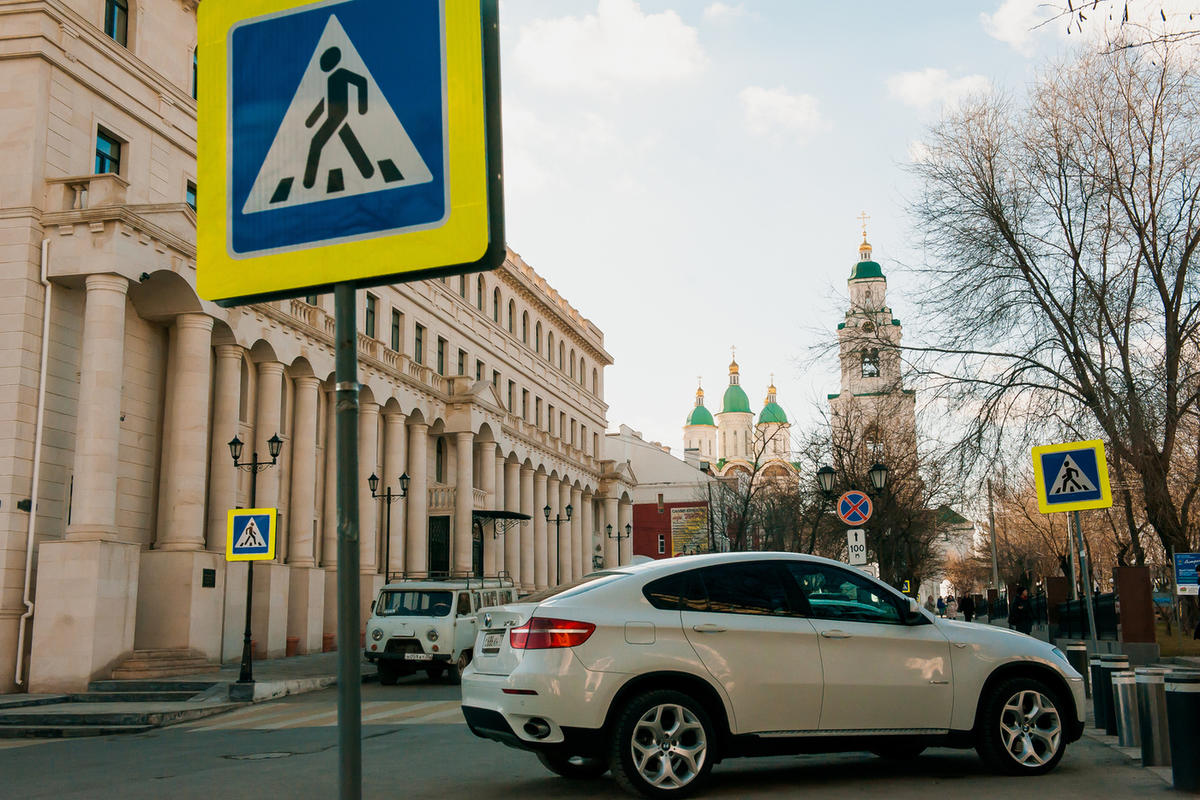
pixel 416 746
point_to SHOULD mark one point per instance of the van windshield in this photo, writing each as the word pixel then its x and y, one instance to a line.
pixel 414 603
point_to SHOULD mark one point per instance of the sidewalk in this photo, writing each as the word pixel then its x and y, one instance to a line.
pixel 277 677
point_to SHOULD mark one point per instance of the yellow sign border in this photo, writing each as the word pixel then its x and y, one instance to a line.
pixel 1105 499
pixel 462 239
pixel 234 513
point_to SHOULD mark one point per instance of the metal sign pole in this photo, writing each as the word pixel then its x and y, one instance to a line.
pixel 349 673
pixel 1087 588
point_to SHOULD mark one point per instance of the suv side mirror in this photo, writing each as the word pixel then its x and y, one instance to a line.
pixel 913 615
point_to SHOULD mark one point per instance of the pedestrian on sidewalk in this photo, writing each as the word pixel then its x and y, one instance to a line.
pixel 967 607
pixel 941 606
pixel 1020 612
pixel 951 608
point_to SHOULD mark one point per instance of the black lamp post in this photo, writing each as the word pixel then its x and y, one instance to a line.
pixel 608 531
pixel 558 521
pixel 388 499
pixel 254 466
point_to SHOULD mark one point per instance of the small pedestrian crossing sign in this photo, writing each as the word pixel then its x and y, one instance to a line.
pixel 250 534
pixel 1071 476
pixel 346 141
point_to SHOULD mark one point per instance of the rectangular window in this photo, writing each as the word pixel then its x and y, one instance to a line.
pixel 196 74
pixel 537 412
pixel 189 195
pixel 462 285
pixel 108 153
pixel 116 20
pixel 311 299
pixel 572 431
pixel 583 439
pixel 441 356
pixel 478 370
pixel 462 362
pixel 511 387
pixel 662 543
pixel 419 345
pixel 549 420
pixel 369 316
pixel 525 404
pixel 396 330
pixel 562 425
pixel 496 383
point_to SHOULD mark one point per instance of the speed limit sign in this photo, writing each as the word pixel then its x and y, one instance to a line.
pixel 856 547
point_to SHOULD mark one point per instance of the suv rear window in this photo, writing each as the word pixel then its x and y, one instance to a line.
pixel 584 584
pixel 414 603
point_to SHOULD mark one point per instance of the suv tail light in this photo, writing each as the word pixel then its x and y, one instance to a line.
pixel 541 633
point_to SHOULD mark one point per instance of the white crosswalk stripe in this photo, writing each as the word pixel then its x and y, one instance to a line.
pixel 278 716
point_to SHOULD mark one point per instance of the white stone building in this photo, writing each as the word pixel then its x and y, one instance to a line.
pixel 123 388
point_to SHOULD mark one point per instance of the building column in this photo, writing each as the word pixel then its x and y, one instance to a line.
pixel 368 507
pixel 464 503
pixel 185 435
pixel 266 425
pixel 626 548
pixel 98 417
pixel 566 544
pixel 87 585
pixel 578 551
pixel 416 529
pixel 540 550
pixel 222 475
pixel 552 531
pixel 329 518
pixel 611 550
pixel 395 464
pixel 528 531
pixel 487 482
pixel 513 536
pixel 303 474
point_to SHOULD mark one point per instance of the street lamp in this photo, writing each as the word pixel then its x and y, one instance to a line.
pixel 254 466
pixel 878 475
pixel 388 499
pixel 825 477
pixel 558 521
pixel 608 530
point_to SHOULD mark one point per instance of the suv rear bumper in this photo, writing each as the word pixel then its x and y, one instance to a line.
pixel 488 724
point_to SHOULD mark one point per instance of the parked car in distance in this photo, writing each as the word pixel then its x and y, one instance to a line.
pixel 661 670
pixel 429 625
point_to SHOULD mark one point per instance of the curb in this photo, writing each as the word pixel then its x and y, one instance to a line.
pixel 1131 753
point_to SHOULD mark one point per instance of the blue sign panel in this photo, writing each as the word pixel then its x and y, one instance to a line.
pixel 337 124
pixel 250 534
pixel 1187 573
pixel 1071 476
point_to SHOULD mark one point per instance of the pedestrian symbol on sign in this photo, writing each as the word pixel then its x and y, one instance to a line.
pixel 375 152
pixel 250 537
pixel 1070 479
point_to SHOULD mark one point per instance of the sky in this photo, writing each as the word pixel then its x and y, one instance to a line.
pixel 689 174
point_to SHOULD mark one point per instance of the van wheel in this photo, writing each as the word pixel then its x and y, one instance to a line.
pixel 434 673
pixel 663 745
pixel 388 673
pixel 574 767
pixel 455 672
pixel 1020 731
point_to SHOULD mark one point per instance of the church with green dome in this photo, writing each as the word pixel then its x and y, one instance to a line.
pixel 735 438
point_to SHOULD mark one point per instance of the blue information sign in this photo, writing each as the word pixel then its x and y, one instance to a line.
pixel 1187 573
pixel 1071 476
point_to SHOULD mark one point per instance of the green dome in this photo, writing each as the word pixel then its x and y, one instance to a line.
pixel 772 412
pixel 866 269
pixel 700 416
pixel 735 400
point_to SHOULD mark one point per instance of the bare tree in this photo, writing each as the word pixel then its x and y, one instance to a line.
pixel 1122 26
pixel 1061 294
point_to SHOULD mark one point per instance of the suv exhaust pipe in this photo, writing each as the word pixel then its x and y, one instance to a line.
pixel 537 727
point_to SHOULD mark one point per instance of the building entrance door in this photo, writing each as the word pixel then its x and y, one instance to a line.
pixel 439 545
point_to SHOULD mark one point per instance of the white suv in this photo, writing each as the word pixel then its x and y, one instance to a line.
pixel 659 671
pixel 429 625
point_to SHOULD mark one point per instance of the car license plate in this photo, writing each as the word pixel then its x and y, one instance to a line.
pixel 491 642
pixel 418 656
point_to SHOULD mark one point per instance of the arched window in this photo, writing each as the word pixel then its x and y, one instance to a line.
pixel 550 346
pixel 571 363
pixel 595 384
pixel 870 363
pixel 496 305
pixel 462 285
pixel 525 327
pixel 512 315
pixel 581 372
pixel 479 293
pixel 561 350
pixel 537 336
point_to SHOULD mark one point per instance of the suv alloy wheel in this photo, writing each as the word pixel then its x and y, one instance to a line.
pixel 662 745
pixel 1020 731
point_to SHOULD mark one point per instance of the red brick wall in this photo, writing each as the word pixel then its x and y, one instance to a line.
pixel 649 523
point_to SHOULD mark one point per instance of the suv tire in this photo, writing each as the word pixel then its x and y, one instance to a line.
pixel 581 768
pixel 663 745
pixel 1020 729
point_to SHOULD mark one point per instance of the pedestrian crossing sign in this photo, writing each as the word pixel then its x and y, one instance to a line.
pixel 345 141
pixel 250 534
pixel 1071 476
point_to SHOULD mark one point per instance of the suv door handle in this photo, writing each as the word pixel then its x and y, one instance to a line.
pixel 708 627
pixel 835 634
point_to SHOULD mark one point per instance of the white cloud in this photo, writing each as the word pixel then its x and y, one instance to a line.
pixel 535 148
pixel 1015 21
pixel 931 87
pixel 1023 23
pixel 918 152
pixel 718 12
pixel 779 113
pixel 619 45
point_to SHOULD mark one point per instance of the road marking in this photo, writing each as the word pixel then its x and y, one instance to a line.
pixel 10 744
pixel 305 715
